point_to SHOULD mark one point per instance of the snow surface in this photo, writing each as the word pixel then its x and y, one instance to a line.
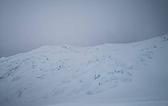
pixel 132 74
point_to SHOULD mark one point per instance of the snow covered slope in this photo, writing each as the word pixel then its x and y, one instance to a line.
pixel 131 74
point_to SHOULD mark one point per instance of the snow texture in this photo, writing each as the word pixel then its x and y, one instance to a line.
pixel 133 74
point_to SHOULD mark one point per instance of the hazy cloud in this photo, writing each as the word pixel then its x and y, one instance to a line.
pixel 29 24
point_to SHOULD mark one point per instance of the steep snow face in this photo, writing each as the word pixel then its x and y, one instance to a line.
pixel 57 74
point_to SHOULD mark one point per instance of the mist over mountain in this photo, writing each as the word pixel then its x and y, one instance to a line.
pixel 29 24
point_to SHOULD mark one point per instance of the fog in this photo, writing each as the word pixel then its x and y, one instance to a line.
pixel 29 24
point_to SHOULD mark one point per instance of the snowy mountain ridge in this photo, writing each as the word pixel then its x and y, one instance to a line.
pixel 58 74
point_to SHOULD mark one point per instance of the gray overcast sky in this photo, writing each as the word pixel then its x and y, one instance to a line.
pixel 29 24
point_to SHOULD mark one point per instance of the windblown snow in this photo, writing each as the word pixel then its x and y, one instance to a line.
pixel 132 74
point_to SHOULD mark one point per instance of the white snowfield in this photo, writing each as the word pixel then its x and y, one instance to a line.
pixel 131 74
